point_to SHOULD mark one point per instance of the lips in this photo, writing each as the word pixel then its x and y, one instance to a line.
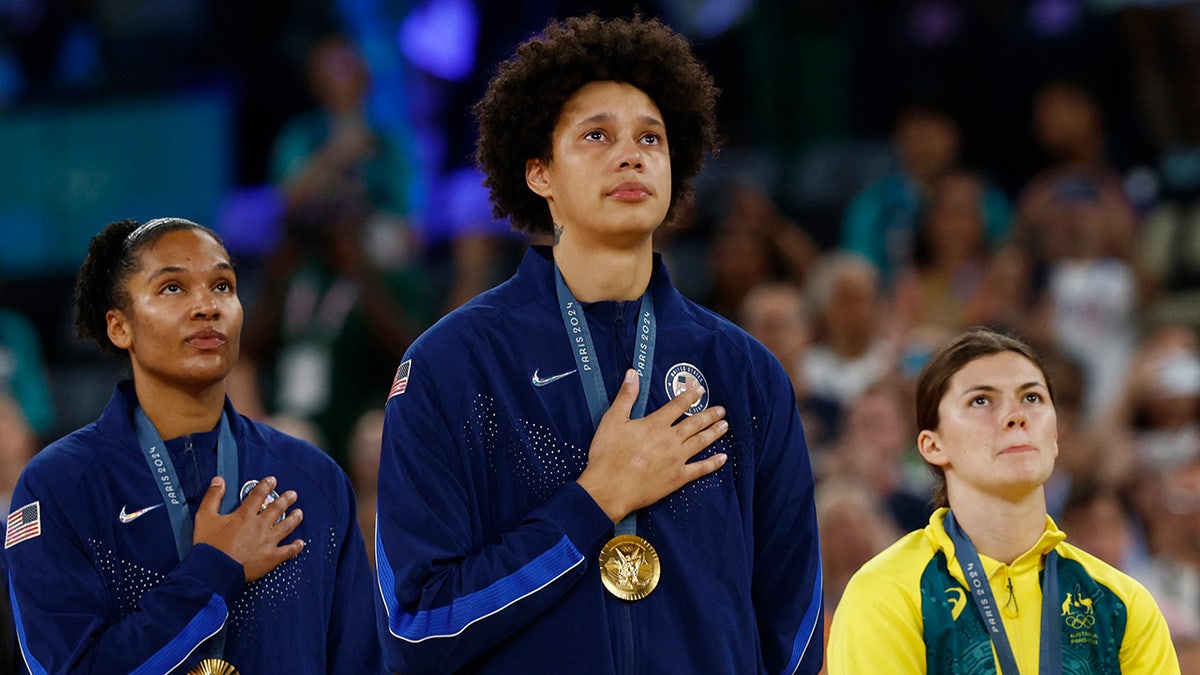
pixel 630 190
pixel 206 339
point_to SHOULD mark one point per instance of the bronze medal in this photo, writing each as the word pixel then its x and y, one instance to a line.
pixel 629 567
pixel 213 667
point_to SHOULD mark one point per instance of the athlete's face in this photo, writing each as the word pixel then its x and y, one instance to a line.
pixel 997 432
pixel 183 324
pixel 610 172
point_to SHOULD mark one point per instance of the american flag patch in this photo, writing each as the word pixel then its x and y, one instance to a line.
pixel 24 523
pixel 401 382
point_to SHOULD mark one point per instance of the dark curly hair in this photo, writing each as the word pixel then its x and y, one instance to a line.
pixel 112 258
pixel 521 107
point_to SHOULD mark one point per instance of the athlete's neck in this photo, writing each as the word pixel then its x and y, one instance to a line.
pixel 999 528
pixel 175 412
pixel 595 273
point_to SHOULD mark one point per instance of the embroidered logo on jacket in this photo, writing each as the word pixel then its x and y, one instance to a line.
pixel 1079 617
pixel 248 487
pixel 541 382
pixel 957 598
pixel 678 377
pixel 126 517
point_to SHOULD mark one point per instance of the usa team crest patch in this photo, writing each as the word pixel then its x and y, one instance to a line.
pixel 679 376
pixel 400 383
pixel 24 523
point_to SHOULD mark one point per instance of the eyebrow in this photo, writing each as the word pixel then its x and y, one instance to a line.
pixel 648 120
pixel 175 269
pixel 989 389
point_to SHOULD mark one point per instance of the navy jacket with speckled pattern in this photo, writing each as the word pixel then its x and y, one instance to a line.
pixel 487 550
pixel 96 592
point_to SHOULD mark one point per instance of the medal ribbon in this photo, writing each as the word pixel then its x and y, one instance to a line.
pixel 167 479
pixel 589 369
pixel 1050 661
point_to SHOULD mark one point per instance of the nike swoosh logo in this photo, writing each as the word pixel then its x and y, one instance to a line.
pixel 130 517
pixel 539 382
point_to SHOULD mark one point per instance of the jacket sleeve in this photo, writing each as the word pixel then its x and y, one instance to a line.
pixel 69 620
pixel 447 596
pixel 352 644
pixel 1147 647
pixel 787 590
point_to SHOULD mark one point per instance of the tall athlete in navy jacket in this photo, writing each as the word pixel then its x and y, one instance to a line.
pixel 582 470
pixel 126 553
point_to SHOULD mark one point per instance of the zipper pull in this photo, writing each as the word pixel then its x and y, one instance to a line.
pixel 1010 606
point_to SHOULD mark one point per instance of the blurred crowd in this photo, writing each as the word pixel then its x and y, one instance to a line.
pixel 1087 249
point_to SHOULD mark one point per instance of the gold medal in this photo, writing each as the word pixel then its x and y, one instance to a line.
pixel 213 667
pixel 629 567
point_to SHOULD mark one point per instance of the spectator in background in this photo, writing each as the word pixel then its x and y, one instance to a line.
pixel 343 294
pixel 18 444
pixel 1161 41
pixel 23 372
pixel 754 243
pixel 365 446
pixel 942 289
pixel 1155 417
pixel 881 220
pixel 1078 228
pixel 775 313
pixel 333 163
pixel 874 447
pixel 854 345
pixel 1167 503
pixel 857 528
pixel 1101 524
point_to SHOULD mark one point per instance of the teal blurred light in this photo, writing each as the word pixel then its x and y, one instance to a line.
pixel 67 171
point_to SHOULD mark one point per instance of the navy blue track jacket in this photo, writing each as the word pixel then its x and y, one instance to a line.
pixel 487 549
pixel 101 588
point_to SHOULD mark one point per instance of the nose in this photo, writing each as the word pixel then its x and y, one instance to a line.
pixel 206 306
pixel 1015 419
pixel 631 155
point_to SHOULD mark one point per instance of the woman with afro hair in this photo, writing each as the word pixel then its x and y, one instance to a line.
pixel 153 540
pixel 583 471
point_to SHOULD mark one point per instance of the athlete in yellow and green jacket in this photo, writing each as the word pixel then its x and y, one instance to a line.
pixel 908 611
pixel 990 585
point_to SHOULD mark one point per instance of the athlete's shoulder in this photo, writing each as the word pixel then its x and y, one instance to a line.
pixel 79 454
pixel 707 325
pixel 506 309
pixel 264 440
pixel 886 592
pixel 1124 586
pixel 900 564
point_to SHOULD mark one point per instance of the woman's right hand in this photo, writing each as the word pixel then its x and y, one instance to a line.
pixel 251 534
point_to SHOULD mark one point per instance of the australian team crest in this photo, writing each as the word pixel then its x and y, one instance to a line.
pixel 678 377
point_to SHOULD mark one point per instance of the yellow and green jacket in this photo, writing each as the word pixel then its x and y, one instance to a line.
pixel 908 611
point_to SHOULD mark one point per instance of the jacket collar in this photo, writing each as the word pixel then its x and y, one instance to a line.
pixel 936 534
pixel 116 420
pixel 536 272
